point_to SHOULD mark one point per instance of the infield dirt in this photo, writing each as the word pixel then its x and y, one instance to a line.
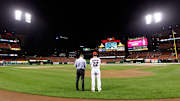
pixel 104 73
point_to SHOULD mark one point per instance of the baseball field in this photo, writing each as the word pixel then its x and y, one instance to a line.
pixel 137 82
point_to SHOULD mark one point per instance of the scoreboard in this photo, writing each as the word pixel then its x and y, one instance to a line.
pixel 138 45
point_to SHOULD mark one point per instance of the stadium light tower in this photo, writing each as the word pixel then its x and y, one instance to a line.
pixel 157 17
pixel 148 19
pixel 28 17
pixel 18 15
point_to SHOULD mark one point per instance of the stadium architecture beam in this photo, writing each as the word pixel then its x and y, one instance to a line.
pixel 156 18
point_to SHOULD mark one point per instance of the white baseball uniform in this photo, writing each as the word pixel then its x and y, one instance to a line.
pixel 95 72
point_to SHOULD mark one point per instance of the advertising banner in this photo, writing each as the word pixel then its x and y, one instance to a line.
pixel 139 42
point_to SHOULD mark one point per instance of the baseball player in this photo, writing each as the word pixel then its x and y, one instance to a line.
pixel 95 72
pixel 80 65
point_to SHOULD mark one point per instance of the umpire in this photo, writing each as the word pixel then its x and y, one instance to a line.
pixel 80 65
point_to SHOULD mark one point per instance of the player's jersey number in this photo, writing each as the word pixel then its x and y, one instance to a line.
pixel 95 64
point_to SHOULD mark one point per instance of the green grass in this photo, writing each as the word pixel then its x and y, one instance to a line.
pixel 165 83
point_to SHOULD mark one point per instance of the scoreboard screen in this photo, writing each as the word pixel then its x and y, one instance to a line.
pixel 111 45
pixel 138 45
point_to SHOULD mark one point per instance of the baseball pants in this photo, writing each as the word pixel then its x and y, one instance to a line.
pixel 80 73
pixel 95 73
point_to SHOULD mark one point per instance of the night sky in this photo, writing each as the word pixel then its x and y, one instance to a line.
pixel 85 23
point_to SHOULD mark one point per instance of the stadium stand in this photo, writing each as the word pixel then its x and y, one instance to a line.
pixel 15 46
pixel 112 53
pixel 111 60
pixel 54 59
pixel 4 45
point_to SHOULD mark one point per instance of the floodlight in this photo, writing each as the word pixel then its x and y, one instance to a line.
pixel 18 15
pixel 148 19
pixel 28 17
pixel 157 17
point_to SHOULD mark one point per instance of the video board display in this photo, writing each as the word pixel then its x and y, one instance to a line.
pixel 138 45
pixel 111 45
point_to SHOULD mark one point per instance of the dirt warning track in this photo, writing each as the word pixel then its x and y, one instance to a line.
pixel 14 96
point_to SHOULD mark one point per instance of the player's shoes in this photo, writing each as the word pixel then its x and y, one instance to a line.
pixel 99 90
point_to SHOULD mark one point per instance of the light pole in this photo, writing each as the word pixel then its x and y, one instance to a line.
pixel 175 44
pixel 21 21
pixel 24 19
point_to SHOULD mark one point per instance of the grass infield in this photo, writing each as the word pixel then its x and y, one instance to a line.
pixel 164 83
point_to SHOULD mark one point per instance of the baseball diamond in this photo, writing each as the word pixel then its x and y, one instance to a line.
pixel 88 51
pixel 58 81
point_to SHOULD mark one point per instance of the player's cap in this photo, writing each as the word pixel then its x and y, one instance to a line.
pixel 95 54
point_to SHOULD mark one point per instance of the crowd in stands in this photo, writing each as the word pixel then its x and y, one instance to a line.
pixel 4 45
pixel 153 55
pixel 111 60
pixel 9 37
pixel 144 55
pixel 15 46
pixel 166 45
pixel 134 55
pixel 8 46
pixel 112 53
pixel 53 59
pixel 12 59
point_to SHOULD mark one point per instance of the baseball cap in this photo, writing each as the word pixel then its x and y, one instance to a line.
pixel 95 53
